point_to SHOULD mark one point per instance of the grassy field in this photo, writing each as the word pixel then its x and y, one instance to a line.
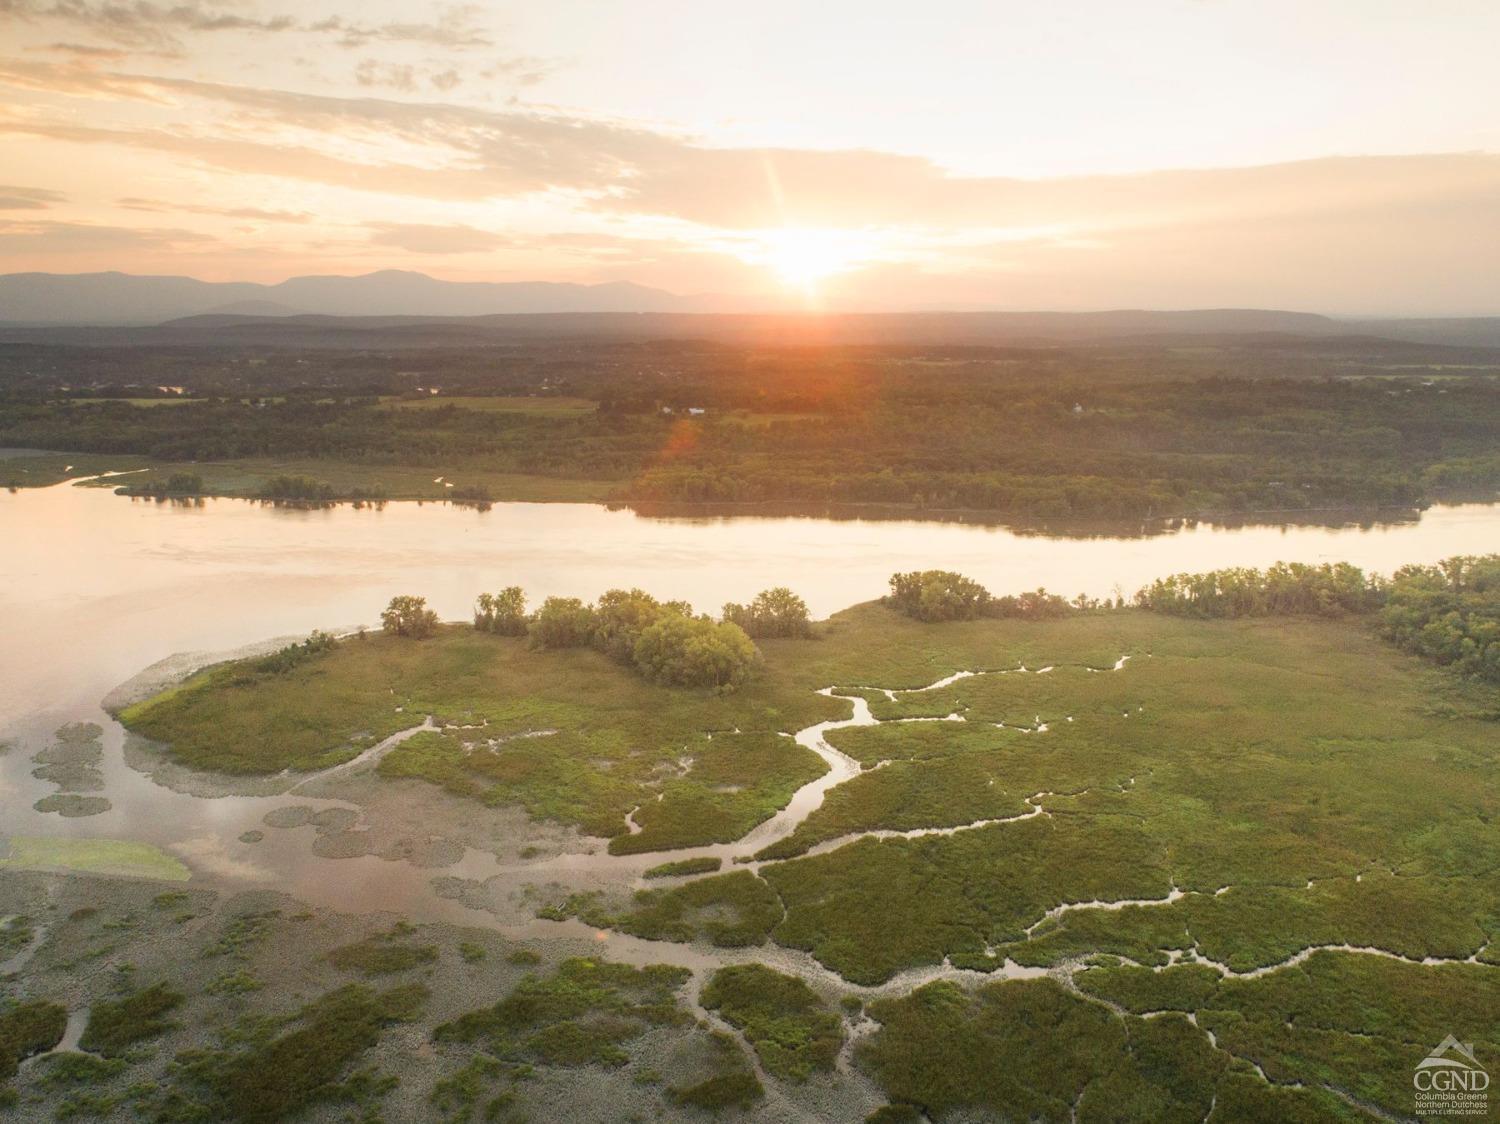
pixel 1233 797
pixel 42 470
pixel 550 406
pixel 570 735
pixel 94 856
pixel 175 400
pixel 248 477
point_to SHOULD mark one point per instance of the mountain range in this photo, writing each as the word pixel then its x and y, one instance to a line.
pixel 395 308
pixel 126 299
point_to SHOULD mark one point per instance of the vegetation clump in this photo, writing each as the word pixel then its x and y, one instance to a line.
pixel 740 1089
pixel 938 595
pixel 294 655
pixel 562 622
pixel 380 955
pixel 502 613
pixel 176 485
pixel 580 1014
pixel 683 651
pixel 1285 589
pixel 27 1029
pixel 1449 613
pixel 734 910
pixel 664 641
pixel 775 613
pixel 297 489
pixel 114 1026
pixel 708 864
pixel 942 595
pixel 410 617
pixel 264 1072
pixel 730 1081
pixel 791 1029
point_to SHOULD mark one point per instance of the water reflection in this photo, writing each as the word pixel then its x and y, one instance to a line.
pixel 1331 518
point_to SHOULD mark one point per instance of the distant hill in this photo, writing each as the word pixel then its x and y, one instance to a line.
pixel 395 308
pixel 125 299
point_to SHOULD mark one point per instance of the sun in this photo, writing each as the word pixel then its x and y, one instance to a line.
pixel 802 258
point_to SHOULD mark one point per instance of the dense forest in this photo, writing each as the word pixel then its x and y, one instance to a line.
pixel 1123 432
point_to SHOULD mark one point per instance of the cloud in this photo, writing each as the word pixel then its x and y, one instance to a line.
pixel 141 23
pixel 521 70
pixel 444 151
pixel 458 26
pixel 13 198
pixel 1358 228
pixel 147 25
pixel 259 214
pixel 64 238
pixel 90 51
pixel 418 238
pixel 398 76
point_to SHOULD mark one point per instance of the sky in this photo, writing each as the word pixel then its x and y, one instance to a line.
pixel 1337 156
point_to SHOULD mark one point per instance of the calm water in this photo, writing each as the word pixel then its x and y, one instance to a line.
pixel 94 587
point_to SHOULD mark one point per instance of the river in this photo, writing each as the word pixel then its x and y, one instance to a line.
pixel 94 587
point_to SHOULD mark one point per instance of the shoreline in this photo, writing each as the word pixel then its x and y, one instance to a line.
pixel 1333 517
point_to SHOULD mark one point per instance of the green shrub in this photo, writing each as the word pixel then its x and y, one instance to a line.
pixel 296 489
pixel 502 613
pixel 114 1026
pixel 704 865
pixel 377 956
pixel 774 613
pixel 724 1090
pixel 27 1029
pixel 694 652
pixel 938 595
pixel 561 622
pixel 1285 589
pixel 409 616
pixel 790 1027
pixel 1449 613
pixel 294 654
pixel 577 1015
pixel 273 1078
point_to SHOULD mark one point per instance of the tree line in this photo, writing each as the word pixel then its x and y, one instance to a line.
pixel 663 640
pixel 1448 612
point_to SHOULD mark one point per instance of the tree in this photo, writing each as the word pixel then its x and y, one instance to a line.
pixel 774 613
pixel 621 615
pixel 1449 612
pixel 938 595
pixel 1037 605
pixel 1284 589
pixel 694 652
pixel 503 613
pixel 562 622
pixel 409 616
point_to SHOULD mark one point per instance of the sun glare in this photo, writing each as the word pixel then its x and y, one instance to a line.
pixel 802 258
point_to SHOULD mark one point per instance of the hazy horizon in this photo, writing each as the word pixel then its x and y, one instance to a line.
pixel 1180 154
